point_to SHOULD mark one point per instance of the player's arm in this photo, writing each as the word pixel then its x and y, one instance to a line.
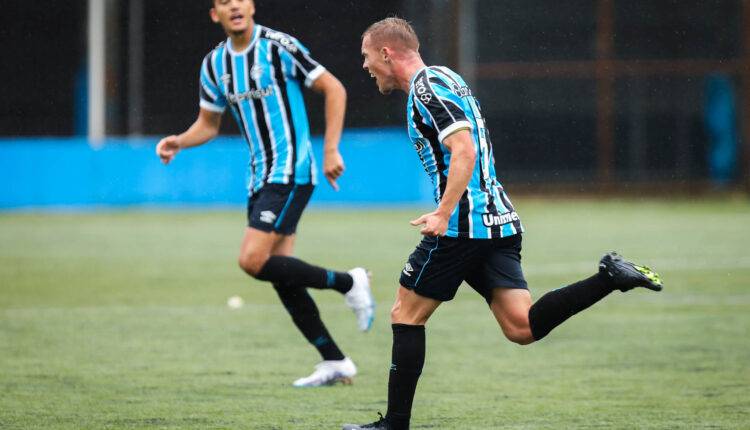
pixel 205 128
pixel 335 108
pixel 463 159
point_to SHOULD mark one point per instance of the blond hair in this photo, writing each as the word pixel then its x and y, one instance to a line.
pixel 393 30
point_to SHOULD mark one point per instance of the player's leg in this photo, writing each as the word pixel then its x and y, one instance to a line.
pixel 510 306
pixel 409 315
pixel 273 213
pixel 257 261
pixel 303 310
pixel 500 280
pixel 335 366
pixel 431 276
pixel 615 273
pixel 524 323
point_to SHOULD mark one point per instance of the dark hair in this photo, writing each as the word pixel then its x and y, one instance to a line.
pixel 212 3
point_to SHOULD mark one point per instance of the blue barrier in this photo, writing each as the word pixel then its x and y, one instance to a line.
pixel 381 169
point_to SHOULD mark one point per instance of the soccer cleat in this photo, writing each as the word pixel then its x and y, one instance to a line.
pixel 359 298
pixel 381 424
pixel 625 275
pixel 329 373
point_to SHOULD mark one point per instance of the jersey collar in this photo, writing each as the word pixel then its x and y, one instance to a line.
pixel 256 35
pixel 413 78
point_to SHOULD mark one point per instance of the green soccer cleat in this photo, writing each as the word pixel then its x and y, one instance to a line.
pixel 625 275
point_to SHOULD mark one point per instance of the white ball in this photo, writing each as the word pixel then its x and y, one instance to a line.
pixel 235 302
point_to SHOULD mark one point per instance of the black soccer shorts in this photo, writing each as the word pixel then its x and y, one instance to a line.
pixel 438 265
pixel 278 207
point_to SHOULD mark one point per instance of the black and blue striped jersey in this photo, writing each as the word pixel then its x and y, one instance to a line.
pixel 262 85
pixel 439 104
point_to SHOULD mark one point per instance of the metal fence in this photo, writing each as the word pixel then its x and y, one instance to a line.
pixel 575 91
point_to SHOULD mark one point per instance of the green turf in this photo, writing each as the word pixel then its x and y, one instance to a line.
pixel 118 320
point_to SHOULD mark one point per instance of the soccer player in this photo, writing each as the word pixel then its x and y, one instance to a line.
pixel 474 235
pixel 258 73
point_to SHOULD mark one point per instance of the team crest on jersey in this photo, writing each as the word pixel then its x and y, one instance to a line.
pixel 256 72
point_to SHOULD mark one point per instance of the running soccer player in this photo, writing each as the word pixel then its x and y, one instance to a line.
pixel 474 235
pixel 258 73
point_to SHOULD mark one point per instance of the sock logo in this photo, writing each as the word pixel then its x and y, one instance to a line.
pixel 267 217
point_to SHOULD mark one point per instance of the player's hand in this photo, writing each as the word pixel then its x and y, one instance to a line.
pixel 435 224
pixel 333 167
pixel 167 148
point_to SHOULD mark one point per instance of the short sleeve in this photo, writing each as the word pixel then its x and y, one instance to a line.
pixel 210 94
pixel 305 67
pixel 443 108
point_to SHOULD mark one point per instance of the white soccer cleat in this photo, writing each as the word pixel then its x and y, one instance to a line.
pixel 359 298
pixel 329 373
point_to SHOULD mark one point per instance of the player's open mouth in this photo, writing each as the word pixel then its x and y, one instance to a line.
pixel 236 19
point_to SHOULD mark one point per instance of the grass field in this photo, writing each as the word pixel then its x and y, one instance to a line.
pixel 118 321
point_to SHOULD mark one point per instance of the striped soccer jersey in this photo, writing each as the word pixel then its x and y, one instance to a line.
pixel 439 104
pixel 262 87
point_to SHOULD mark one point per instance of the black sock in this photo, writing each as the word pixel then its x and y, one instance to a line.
pixel 553 308
pixel 306 317
pixel 291 272
pixel 406 365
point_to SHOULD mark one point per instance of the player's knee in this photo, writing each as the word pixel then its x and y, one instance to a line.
pixel 395 312
pixel 517 329
pixel 521 336
pixel 252 262
pixel 402 315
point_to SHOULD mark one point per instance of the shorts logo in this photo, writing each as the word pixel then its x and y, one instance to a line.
pixel 490 220
pixel 408 269
pixel 267 217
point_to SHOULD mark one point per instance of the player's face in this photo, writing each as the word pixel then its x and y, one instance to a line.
pixel 375 64
pixel 235 16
